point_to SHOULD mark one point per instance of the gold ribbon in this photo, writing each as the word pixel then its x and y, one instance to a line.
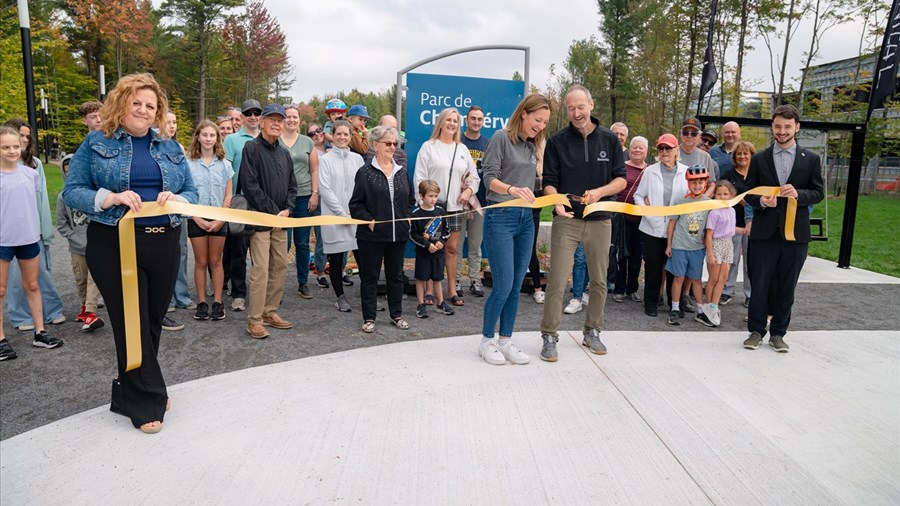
pixel 128 254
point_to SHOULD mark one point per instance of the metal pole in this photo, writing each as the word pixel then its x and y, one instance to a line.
pixel 527 75
pixel 852 198
pixel 102 71
pixel 25 31
pixel 399 106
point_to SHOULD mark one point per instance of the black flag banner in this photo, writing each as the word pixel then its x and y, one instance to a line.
pixel 710 75
pixel 885 81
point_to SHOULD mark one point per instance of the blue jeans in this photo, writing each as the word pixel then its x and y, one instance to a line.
pixel 301 241
pixel 580 277
pixel 508 240
pixel 182 295
pixel 17 302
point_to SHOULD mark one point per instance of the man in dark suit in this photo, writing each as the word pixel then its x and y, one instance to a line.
pixel 774 262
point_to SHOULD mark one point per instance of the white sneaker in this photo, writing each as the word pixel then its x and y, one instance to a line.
pixel 585 298
pixel 574 306
pixel 539 297
pixel 238 304
pixel 715 315
pixel 513 354
pixel 491 353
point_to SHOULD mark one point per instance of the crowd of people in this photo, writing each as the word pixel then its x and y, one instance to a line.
pixel 256 156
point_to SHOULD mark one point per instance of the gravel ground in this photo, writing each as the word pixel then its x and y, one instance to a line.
pixel 42 386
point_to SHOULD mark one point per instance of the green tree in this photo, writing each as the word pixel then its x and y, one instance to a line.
pixel 620 26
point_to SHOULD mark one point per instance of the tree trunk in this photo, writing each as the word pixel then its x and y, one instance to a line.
pixel 809 56
pixel 201 106
pixel 742 42
pixel 787 45
pixel 693 53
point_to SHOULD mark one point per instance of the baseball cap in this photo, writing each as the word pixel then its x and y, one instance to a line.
pixel 274 109
pixel 710 133
pixel 250 105
pixel 358 110
pixel 667 140
pixel 692 122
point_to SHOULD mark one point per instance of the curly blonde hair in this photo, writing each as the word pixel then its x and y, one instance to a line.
pixel 118 103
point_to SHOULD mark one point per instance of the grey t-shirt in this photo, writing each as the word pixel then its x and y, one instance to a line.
pixel 668 177
pixel 700 157
pixel 690 228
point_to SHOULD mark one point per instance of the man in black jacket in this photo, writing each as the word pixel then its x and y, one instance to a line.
pixel 584 160
pixel 267 180
pixel 773 261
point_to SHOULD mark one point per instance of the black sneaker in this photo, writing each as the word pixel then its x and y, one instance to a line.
pixel 725 299
pixel 322 282
pixel 445 308
pixel 303 290
pixel 171 325
pixel 346 280
pixel 422 311
pixel 43 340
pixel 6 350
pixel 687 305
pixel 202 311
pixel 218 311
pixel 476 288
pixel 673 318
pixel 702 318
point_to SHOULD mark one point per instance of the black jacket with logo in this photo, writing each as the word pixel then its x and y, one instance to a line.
pixel 574 164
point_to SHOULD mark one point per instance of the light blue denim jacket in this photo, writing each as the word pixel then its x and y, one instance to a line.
pixel 103 165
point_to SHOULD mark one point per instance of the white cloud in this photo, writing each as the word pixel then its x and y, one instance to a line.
pixel 362 44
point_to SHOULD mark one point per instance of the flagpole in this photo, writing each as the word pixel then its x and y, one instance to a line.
pixel 710 75
pixel 25 31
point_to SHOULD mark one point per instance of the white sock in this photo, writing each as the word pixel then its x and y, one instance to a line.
pixel 504 341
pixel 675 305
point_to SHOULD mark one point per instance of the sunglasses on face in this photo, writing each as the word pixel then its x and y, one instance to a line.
pixel 690 133
pixel 708 142
pixel 664 149
pixel 314 132
pixel 390 143
pixel 252 113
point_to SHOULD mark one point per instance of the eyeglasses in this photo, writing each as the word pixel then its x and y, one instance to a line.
pixel 314 132
pixel 690 133
pixel 664 148
pixel 252 113
pixel 708 142
pixel 390 143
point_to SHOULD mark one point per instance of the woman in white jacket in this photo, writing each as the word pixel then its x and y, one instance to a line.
pixel 662 183
pixel 445 160
pixel 337 173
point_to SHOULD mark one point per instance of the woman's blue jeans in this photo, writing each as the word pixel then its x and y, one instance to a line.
pixel 508 239
pixel 17 301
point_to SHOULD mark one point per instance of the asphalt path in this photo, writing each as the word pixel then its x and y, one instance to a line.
pixel 43 386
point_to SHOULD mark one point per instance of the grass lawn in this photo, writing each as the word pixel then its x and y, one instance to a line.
pixel 54 185
pixel 877 222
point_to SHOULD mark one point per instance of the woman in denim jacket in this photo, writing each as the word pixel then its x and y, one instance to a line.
pixel 115 169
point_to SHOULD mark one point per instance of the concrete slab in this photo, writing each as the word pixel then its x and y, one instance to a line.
pixel 675 418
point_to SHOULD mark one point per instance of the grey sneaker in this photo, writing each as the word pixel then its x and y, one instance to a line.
pixel 635 297
pixel 343 304
pixel 548 352
pixel 725 299
pixel 777 342
pixel 688 305
pixel 476 288
pixel 752 342
pixel 618 297
pixel 593 343
pixel 171 325
pixel 238 304
pixel 304 292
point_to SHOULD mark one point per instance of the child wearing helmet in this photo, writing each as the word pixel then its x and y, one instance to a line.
pixel 686 247
pixel 334 109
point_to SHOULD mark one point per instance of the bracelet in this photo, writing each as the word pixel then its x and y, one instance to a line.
pixel 508 188
pixel 315 191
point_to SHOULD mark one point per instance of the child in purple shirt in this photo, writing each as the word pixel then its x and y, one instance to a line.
pixel 720 228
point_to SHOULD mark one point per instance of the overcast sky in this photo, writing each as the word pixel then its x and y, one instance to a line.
pixel 362 43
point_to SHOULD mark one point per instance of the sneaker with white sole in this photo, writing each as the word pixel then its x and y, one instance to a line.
pixel 539 297
pixel 548 351
pixel 491 353
pixel 59 320
pixel 715 315
pixel 92 322
pixel 514 354
pixel 575 305
pixel 171 325
pixel 476 288
pixel 343 304
pixel 238 304
pixel 43 340
pixel 586 298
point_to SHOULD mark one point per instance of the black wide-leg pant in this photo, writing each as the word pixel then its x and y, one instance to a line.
pixel 158 260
